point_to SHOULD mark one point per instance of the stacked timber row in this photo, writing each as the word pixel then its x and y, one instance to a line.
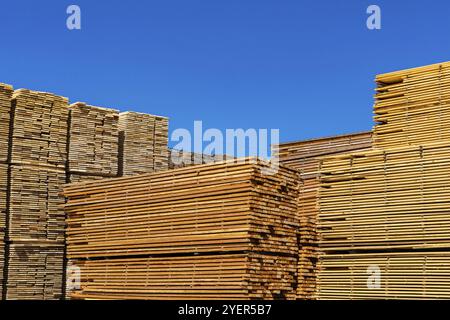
pixel 181 159
pixel 305 156
pixel 44 143
pixel 217 231
pixel 385 212
pixel 35 228
pixel 6 92
pixel 412 107
pixel 144 141
pixel 94 142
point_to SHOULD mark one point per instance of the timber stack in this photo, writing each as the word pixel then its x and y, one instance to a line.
pixel 94 142
pixel 383 221
pixel 412 107
pixel 35 229
pixel 216 231
pixel 44 144
pixel 305 156
pixel 144 141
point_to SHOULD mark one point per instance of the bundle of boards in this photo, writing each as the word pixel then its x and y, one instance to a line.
pixel 412 107
pixel 215 231
pixel 305 156
pixel 380 204
pixel 144 143
pixel 384 214
pixel 45 143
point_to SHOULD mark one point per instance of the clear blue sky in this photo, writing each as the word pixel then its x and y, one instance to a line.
pixel 305 67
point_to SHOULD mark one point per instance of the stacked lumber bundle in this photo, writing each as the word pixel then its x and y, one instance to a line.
pixel 94 140
pixel 3 211
pixel 35 206
pixel 305 156
pixel 381 201
pixel 412 106
pixel 41 279
pixel 144 143
pixel 35 230
pixel 227 276
pixel 212 210
pixel 403 275
pixel 181 159
pixel 39 129
pixel 6 92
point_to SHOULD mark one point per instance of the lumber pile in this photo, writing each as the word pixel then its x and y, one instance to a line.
pixel 144 143
pixel 35 204
pixel 305 156
pixel 35 230
pixel 41 279
pixel 39 129
pixel 94 140
pixel 412 106
pixel 383 201
pixel 228 214
pixel 3 211
pixel 404 275
pixel 6 92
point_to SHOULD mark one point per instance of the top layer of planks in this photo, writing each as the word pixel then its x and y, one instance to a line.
pixel 412 107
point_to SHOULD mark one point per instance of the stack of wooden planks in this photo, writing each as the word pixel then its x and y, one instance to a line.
pixel 209 231
pixel 44 144
pixel 6 92
pixel 35 229
pixel 3 211
pixel 94 140
pixel 388 202
pixel 144 143
pixel 39 129
pixel 402 275
pixel 412 106
pixel 305 156
pixel 35 270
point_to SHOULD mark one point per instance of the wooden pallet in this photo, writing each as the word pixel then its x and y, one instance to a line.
pixel 210 208
pixel 224 276
pixel 305 157
pixel 6 92
pixel 35 271
pixel 412 106
pixel 144 143
pixel 94 140
pixel 40 128
pixel 403 275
